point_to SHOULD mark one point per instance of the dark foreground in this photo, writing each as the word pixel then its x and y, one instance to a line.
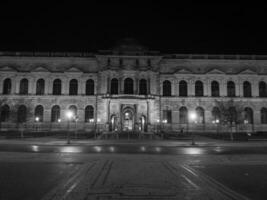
pixel 136 172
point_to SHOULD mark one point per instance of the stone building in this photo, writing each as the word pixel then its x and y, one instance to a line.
pixel 130 88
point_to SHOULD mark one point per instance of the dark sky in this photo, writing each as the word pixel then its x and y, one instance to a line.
pixel 224 28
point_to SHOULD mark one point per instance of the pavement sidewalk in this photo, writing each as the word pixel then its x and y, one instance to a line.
pixel 199 141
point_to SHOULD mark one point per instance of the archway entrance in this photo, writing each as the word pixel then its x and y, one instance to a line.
pixel 128 120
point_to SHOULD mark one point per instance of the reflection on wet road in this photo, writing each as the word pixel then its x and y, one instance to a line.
pixel 134 149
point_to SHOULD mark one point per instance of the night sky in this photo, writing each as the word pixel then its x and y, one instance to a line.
pixel 213 28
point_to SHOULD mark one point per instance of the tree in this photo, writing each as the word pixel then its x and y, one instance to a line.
pixel 21 112
pixel 3 101
pixel 231 114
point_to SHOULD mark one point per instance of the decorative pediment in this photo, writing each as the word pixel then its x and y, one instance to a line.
pixel 40 69
pixel 247 71
pixel 73 69
pixel 183 71
pixel 215 71
pixel 8 69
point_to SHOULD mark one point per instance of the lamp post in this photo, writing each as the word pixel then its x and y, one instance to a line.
pixel 69 115
pixel 192 117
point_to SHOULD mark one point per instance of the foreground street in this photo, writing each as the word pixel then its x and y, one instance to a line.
pixel 54 172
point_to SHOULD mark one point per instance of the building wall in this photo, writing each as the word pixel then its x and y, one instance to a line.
pixel 151 105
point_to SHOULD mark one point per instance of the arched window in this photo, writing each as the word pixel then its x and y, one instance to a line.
pixel 216 115
pixel 55 114
pixel 215 90
pixel 73 89
pixel 89 114
pixel 248 115
pixel 200 115
pixel 182 89
pixel 5 112
pixel 7 86
pixel 128 86
pixel 199 89
pixel 264 115
pixel 143 87
pixel 22 114
pixel 40 87
pixel 23 86
pixel 90 87
pixel 262 89
pixel 183 114
pixel 247 89
pixel 230 89
pixel 114 87
pixel 57 87
pixel 39 113
pixel 167 88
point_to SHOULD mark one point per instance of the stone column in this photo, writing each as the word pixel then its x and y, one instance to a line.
pixel 17 84
pixel 108 85
pixel 191 88
pixel 136 86
pixel 207 89
pixel 257 116
pixel 241 91
pixel 32 86
pixel 223 88
pixel 148 86
pixel 1 85
pixel 237 88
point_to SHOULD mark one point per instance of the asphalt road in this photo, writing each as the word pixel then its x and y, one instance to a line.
pixel 43 172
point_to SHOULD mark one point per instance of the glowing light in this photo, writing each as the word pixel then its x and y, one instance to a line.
pixel 35 148
pixel 158 149
pixel 111 149
pixel 143 148
pixel 164 121
pixel 98 120
pixel 192 116
pixel 217 121
pixel 158 120
pixel 69 114
pixel 70 149
pixel 37 119
pixel 97 148
pixel 193 151
pixel 91 120
pixel 59 120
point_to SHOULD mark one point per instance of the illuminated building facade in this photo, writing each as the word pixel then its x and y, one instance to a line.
pixel 129 88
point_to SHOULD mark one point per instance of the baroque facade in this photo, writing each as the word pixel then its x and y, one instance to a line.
pixel 129 88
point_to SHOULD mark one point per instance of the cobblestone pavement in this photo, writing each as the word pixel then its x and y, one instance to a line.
pixel 122 176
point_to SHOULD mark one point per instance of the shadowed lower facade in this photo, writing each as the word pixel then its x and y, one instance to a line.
pixel 130 88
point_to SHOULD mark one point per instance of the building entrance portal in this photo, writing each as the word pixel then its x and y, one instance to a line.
pixel 128 120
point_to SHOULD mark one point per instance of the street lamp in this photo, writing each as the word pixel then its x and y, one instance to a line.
pixel 192 118
pixel 37 119
pixel 69 115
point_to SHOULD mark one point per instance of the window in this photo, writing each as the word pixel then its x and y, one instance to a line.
pixel 199 89
pixel 7 86
pixel 55 114
pixel 57 87
pixel 264 115
pixel 89 113
pixel 167 115
pixel 200 115
pixel 22 114
pixel 90 87
pixel 39 113
pixel 5 112
pixel 182 89
pixel 215 90
pixel 167 88
pixel 73 89
pixel 183 115
pixel 262 89
pixel 230 89
pixel 248 115
pixel 143 87
pixel 114 86
pixel 23 86
pixel 247 89
pixel 128 86
pixel 40 86
pixel 216 114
